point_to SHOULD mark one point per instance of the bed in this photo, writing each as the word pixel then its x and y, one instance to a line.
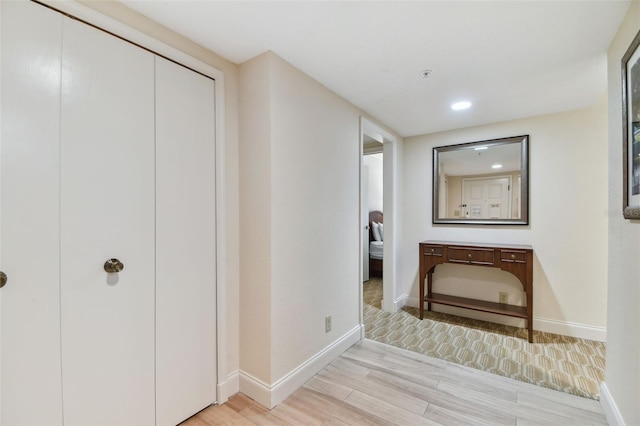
pixel 376 246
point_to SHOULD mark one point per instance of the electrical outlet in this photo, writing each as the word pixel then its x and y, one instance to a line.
pixel 504 297
pixel 327 324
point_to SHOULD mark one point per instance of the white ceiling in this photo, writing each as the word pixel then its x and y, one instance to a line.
pixel 512 59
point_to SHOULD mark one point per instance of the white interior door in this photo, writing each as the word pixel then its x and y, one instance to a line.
pixel 78 167
pixel 107 211
pixel 29 201
pixel 186 235
pixel 487 198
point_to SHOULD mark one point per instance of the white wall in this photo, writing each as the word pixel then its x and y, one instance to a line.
pixel 374 163
pixel 315 216
pixel 300 236
pixel 622 378
pixel 255 218
pixel 568 222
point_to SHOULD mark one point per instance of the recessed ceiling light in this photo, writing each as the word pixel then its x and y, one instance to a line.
pixel 458 106
pixel 496 166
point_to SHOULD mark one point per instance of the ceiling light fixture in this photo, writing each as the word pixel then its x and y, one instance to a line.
pixel 496 166
pixel 459 106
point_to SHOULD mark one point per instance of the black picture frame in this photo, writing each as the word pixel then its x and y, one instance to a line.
pixel 631 130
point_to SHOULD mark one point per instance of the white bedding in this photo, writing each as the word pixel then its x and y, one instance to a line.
pixel 376 249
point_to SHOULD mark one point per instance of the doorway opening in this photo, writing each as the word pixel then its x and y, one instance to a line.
pixel 377 218
pixel 373 209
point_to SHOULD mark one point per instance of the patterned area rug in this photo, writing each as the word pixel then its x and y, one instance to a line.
pixel 567 364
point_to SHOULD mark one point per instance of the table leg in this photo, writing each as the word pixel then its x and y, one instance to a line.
pixel 421 293
pixel 530 314
pixel 429 283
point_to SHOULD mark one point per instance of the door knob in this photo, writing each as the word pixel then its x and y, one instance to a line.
pixel 113 265
pixel 3 279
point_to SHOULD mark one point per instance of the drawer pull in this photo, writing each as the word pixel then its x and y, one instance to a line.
pixel 513 256
pixel 469 256
pixel 433 250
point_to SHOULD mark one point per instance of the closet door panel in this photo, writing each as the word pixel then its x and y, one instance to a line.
pixel 29 197
pixel 107 210
pixel 185 233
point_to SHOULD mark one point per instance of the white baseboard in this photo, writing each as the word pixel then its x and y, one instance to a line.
pixel 272 395
pixel 614 418
pixel 570 329
pixel 401 302
pixel 255 389
pixel 563 328
pixel 229 387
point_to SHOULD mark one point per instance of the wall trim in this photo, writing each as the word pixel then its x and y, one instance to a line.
pixel 402 301
pixel 571 329
pixel 272 395
pixel 564 328
pixel 255 389
pixel 609 406
pixel 228 388
pixel 391 264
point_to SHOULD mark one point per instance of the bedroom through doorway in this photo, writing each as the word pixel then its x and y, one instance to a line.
pixel 372 203
pixel 379 153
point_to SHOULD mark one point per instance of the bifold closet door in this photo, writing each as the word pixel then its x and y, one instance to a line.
pixel 185 243
pixel 31 392
pixel 107 151
pixel 107 211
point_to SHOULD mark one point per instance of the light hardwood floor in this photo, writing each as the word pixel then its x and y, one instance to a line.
pixel 377 384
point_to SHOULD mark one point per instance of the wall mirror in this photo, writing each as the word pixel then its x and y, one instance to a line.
pixel 482 183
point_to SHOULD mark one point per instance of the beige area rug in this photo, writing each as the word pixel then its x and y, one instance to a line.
pixel 567 364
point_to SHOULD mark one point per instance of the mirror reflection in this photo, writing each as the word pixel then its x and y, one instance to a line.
pixel 483 182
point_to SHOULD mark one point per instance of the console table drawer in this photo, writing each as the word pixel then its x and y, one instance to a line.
pixel 429 250
pixel 513 256
pixel 470 255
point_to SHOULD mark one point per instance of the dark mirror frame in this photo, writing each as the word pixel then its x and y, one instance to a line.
pixel 629 211
pixel 524 198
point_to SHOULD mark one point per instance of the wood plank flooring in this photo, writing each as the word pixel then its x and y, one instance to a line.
pixel 377 384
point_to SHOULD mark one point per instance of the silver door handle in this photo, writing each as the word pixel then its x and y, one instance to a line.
pixel 113 265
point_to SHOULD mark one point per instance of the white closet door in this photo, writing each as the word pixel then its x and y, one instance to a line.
pixel 185 233
pixel 30 334
pixel 107 210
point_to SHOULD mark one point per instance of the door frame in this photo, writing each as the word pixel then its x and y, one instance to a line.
pixel 226 382
pixel 390 302
pixel 364 203
pixel 0 210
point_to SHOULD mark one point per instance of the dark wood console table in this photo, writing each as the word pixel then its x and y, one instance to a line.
pixel 516 259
